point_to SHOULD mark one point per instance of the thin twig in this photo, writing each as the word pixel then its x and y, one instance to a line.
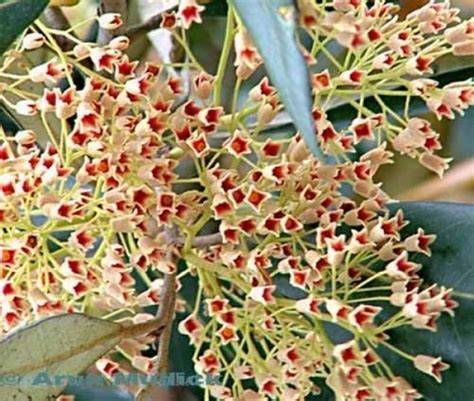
pixel 204 241
pixel 56 19
pixel 149 25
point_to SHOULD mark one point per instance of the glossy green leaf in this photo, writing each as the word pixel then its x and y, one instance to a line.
pixel 451 265
pixel 98 394
pixel 62 345
pixel 15 17
pixel 451 63
pixel 216 8
pixel 460 141
pixel 181 351
pixel 272 26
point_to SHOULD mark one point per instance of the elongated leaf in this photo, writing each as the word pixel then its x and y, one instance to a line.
pixel 99 394
pixel 61 345
pixel 272 25
pixel 451 265
pixel 181 352
pixel 460 140
pixel 215 8
pixel 15 17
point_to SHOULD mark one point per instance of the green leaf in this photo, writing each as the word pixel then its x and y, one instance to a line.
pixel 181 355
pixel 181 351
pixel 451 265
pixel 98 394
pixel 272 26
pixel 461 144
pixel 15 17
pixel 451 63
pixel 215 8
pixel 61 345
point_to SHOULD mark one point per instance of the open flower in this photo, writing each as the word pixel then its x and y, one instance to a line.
pixel 431 366
pixel 190 12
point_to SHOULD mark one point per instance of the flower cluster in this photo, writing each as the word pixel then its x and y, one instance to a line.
pixel 131 155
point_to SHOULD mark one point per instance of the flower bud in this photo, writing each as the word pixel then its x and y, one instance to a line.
pixel 120 43
pixel 26 108
pixel 464 48
pixel 33 41
pixel 25 137
pixel 203 84
pixel 81 50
